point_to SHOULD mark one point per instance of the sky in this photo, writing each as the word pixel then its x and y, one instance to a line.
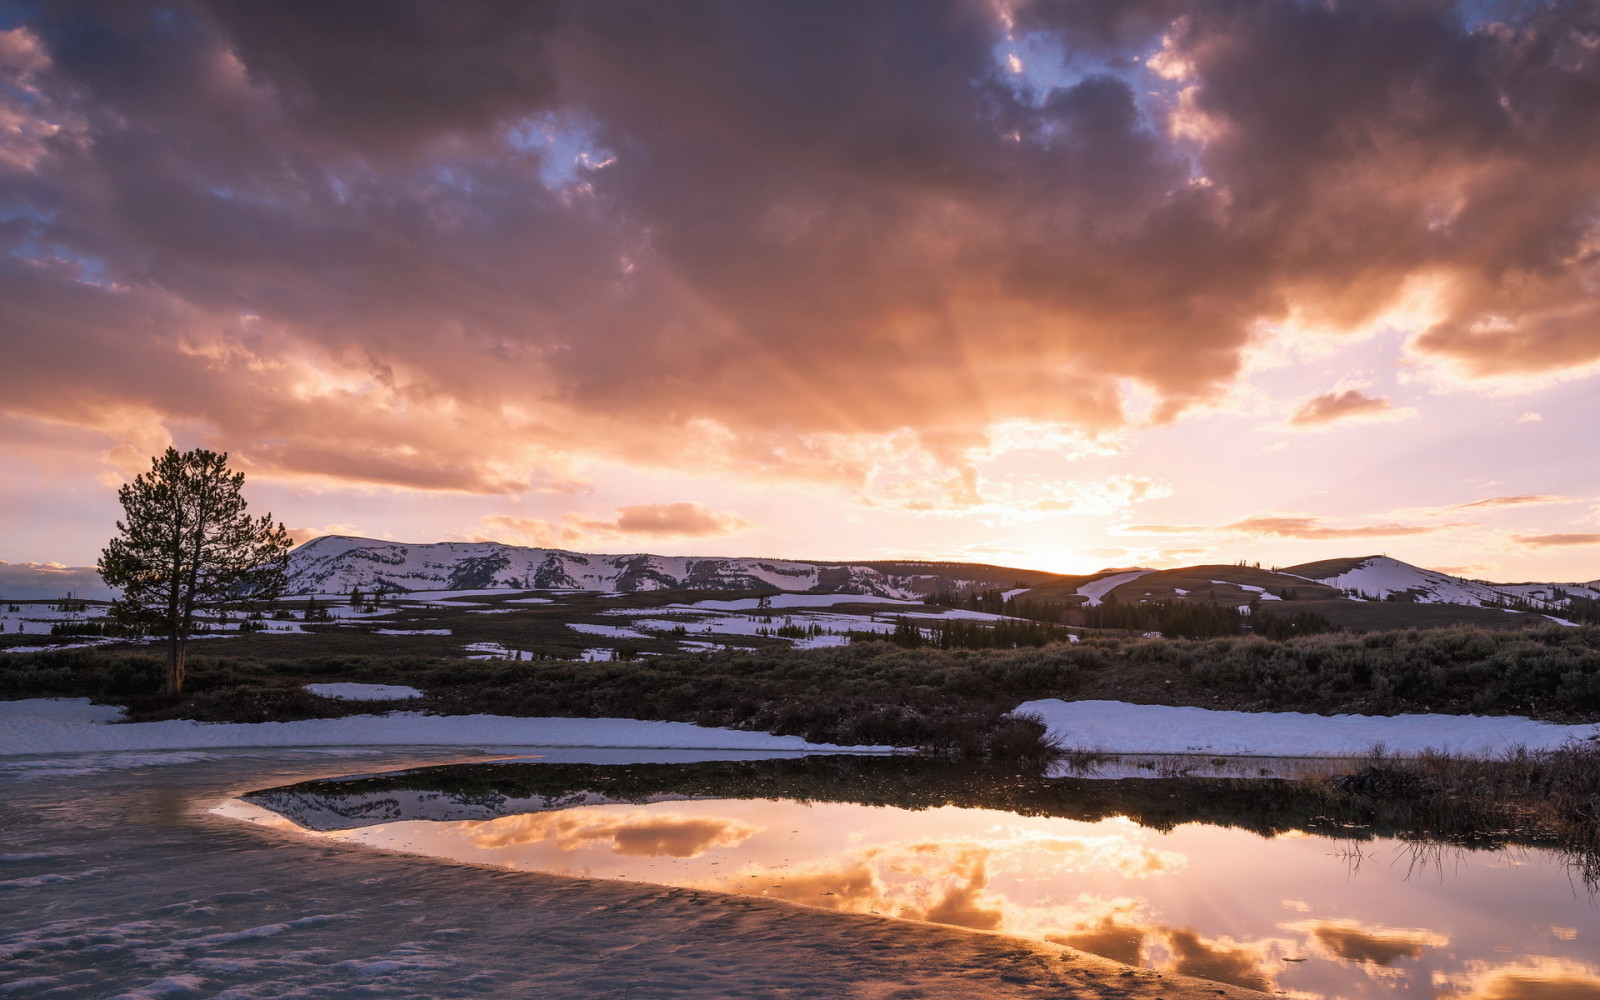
pixel 1059 284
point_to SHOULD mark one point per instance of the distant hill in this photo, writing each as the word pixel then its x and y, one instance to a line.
pixel 338 564
pixel 1361 592
pixel 1364 592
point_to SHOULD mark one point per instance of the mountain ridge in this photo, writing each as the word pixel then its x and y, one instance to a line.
pixel 340 563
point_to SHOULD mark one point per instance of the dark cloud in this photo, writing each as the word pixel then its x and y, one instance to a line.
pixel 448 247
pixel 49 581
pixel 1331 407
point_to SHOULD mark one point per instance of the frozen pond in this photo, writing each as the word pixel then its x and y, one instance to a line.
pixel 1288 911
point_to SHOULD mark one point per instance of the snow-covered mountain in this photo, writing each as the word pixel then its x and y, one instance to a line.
pixel 338 564
pixel 1381 578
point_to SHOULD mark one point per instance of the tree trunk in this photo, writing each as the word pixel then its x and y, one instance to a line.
pixel 176 650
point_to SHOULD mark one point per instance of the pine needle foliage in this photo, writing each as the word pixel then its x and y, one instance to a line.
pixel 187 545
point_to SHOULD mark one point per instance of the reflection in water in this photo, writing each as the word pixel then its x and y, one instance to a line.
pixel 1541 978
pixel 1109 937
pixel 1222 960
pixel 1383 946
pixel 639 834
pixel 1296 913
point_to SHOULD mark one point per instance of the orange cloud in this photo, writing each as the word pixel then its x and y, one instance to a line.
pixel 642 521
pixel 1519 501
pixel 1569 538
pixel 1337 407
pixel 476 255
pixel 665 520
pixel 1302 526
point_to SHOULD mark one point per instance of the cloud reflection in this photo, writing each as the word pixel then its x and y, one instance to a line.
pixel 638 833
pixel 1535 978
pixel 1375 945
pixel 939 883
pixel 1219 959
pixel 1107 937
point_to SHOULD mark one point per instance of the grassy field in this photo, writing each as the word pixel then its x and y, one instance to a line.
pixel 951 702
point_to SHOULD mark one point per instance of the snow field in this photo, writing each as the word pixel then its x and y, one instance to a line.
pixel 70 725
pixel 364 692
pixel 1119 727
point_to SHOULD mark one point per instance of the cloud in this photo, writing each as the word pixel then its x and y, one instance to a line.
pixel 1348 405
pixel 46 581
pixel 477 252
pixel 665 520
pixel 1304 526
pixel 1517 501
pixel 300 536
pixel 1547 541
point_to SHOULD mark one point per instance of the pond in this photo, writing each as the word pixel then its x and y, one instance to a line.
pixel 1124 869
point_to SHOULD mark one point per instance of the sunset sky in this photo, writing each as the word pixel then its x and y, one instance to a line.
pixel 1060 284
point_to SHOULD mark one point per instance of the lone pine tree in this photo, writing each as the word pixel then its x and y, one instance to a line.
pixel 187 543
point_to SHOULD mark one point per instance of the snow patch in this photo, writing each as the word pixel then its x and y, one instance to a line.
pixel 1120 727
pixel 47 726
pixel 1095 590
pixel 364 692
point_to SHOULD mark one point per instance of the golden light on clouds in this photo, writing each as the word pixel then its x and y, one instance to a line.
pixel 1092 259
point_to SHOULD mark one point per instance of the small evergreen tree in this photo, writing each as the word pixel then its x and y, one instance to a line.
pixel 187 543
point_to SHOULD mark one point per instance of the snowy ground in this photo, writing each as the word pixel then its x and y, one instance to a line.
pixel 1119 727
pixel 365 692
pixel 67 725
pixel 41 725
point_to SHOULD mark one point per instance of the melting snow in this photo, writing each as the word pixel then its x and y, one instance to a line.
pixel 1118 727
pixel 364 692
pixel 41 725
pixel 1095 590
pixel 796 601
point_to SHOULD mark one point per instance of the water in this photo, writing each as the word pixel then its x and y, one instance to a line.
pixel 1290 911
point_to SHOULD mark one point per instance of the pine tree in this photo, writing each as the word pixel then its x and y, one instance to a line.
pixel 188 543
